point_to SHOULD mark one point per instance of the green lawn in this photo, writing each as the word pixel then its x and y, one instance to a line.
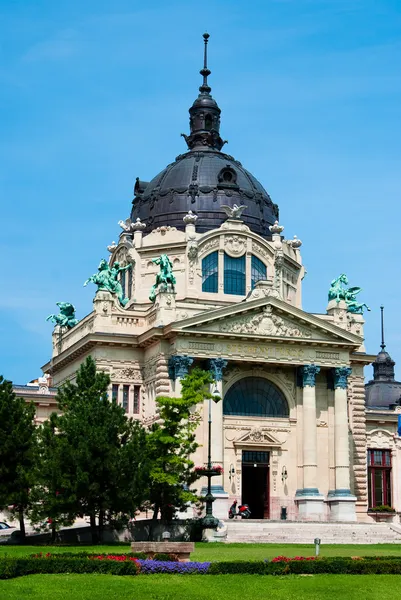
pixel 201 587
pixel 214 552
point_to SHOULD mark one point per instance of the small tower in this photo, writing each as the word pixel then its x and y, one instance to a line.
pixel 383 391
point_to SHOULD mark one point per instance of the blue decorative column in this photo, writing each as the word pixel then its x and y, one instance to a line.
pixel 342 502
pixel 178 367
pixel 310 501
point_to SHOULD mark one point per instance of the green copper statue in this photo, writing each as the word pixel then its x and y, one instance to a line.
pixel 337 292
pixel 66 318
pixel 164 277
pixel 106 280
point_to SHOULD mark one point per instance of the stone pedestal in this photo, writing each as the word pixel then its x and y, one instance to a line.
pixel 311 507
pixel 165 307
pixel 342 508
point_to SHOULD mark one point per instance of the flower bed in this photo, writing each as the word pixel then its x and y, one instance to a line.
pixel 127 564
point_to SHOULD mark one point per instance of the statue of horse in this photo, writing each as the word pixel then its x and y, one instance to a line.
pixel 106 279
pixel 336 291
pixel 164 277
pixel 66 318
pixel 352 305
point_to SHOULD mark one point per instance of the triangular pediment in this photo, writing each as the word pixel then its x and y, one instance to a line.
pixel 268 318
pixel 259 436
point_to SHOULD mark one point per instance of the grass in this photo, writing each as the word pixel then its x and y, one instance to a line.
pixel 218 551
pixel 201 587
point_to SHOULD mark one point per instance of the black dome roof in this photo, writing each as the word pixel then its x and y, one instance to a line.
pixel 203 179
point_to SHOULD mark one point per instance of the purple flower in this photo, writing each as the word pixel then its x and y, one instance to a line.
pixel 149 567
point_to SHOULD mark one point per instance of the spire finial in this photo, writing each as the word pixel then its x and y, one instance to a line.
pixel 205 88
pixel 383 345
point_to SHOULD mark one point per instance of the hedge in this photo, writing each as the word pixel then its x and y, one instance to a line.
pixel 11 567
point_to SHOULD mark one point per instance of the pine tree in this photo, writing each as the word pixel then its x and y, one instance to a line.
pixel 18 457
pixel 171 443
pixel 99 459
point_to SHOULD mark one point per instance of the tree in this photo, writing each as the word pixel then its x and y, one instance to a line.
pixel 17 452
pixel 99 469
pixel 171 442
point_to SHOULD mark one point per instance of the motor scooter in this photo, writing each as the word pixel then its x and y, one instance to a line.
pixel 243 511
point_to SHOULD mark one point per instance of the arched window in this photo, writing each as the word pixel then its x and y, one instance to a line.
pixel 210 273
pixel 255 397
pixel 234 275
pixel 208 122
pixel 258 270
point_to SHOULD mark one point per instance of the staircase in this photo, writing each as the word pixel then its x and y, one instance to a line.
pixel 276 532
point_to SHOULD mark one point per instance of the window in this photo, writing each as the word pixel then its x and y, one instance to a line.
pixel 137 399
pixel 208 122
pixel 379 477
pixel 129 291
pixel 255 397
pixel 210 271
pixel 126 398
pixel 122 281
pixel 114 392
pixel 258 270
pixel 234 275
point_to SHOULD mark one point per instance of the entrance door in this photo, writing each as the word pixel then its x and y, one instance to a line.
pixel 255 482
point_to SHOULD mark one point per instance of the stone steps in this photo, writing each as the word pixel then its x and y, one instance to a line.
pixel 305 533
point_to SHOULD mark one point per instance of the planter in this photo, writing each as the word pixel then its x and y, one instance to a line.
pixel 209 472
pixel 385 517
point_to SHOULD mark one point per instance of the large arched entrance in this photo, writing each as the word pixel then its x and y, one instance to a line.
pixel 255 397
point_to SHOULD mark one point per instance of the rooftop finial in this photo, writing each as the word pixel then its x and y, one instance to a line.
pixel 205 88
pixel 383 345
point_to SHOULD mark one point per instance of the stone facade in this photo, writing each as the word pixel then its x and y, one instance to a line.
pixel 314 362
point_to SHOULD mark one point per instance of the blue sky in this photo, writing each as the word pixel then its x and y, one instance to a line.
pixel 95 93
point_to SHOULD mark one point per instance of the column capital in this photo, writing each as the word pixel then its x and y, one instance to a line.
pixel 217 366
pixel 340 377
pixel 178 365
pixel 307 375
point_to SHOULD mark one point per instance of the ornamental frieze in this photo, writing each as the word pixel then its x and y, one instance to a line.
pixel 235 245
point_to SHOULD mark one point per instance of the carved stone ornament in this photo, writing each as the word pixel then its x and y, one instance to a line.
pixel 341 375
pixel 178 366
pixel 264 323
pixel 217 366
pixel 308 374
pixel 138 225
pixel 263 288
pixel 235 245
pixel 126 225
pixel 276 228
pixel 190 218
pixel 128 374
pixel 294 243
pixel 112 247
pixel 212 244
pixel 259 436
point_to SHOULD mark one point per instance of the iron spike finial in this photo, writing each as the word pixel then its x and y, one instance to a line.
pixel 205 72
pixel 383 345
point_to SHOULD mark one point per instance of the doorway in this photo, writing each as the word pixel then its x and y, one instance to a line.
pixel 255 482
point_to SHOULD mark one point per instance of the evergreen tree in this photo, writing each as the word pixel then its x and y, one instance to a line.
pixel 171 443
pixel 17 452
pixel 101 467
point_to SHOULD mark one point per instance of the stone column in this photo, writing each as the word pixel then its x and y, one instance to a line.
pixel 220 506
pixel 342 502
pixel 310 501
pixel 178 366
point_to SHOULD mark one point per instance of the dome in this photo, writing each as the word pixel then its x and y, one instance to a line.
pixel 382 394
pixel 203 179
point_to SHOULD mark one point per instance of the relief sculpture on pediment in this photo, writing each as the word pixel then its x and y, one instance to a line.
pixel 264 323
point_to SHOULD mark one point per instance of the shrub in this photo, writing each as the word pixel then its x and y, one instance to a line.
pixel 382 508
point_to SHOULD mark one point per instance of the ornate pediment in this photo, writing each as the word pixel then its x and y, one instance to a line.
pixel 259 436
pixel 266 317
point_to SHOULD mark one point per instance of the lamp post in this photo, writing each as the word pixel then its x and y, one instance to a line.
pixel 209 521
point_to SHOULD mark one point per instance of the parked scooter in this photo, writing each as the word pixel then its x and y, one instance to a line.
pixel 243 511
